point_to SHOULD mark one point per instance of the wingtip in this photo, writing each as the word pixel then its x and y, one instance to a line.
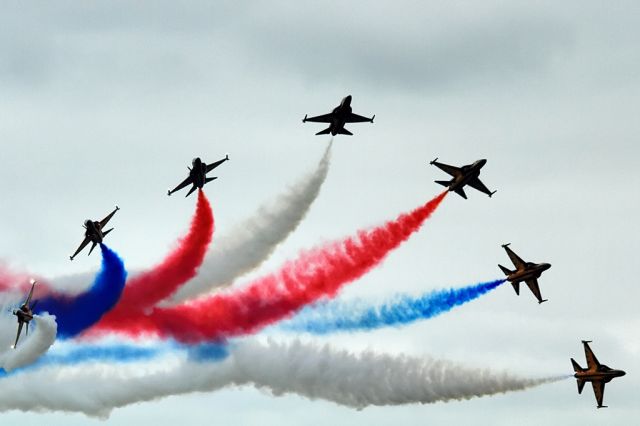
pixel 168 192
pixel 374 116
pixel 32 281
pixel 543 300
pixel 304 120
pixel 506 245
pixel 432 162
pixel 491 194
pixel 70 257
pixel 586 341
pixel 117 207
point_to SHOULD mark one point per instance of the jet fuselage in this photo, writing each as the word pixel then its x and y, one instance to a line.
pixel 339 115
pixel 603 373
pixel 198 172
pixel 531 270
pixel 469 172
pixel 94 231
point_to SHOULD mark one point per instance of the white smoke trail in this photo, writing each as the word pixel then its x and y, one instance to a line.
pixel 31 347
pixel 353 380
pixel 251 242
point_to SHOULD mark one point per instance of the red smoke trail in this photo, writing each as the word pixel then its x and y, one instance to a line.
pixel 316 273
pixel 148 288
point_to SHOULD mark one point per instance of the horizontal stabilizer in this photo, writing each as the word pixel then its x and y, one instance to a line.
pixel 460 192
pixel 576 366
pixel 325 131
pixel 207 180
pixel 505 270
pixel 443 183
pixel 104 234
pixel 344 131
pixel 580 385
pixel 516 287
pixel 193 188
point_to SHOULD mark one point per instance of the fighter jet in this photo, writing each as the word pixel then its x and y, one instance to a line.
pixel 25 314
pixel 525 271
pixel 465 175
pixel 198 175
pixel 94 233
pixel 596 373
pixel 338 118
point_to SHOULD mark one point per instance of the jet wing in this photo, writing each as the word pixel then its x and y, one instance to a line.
pixel 104 221
pixel 598 391
pixel 517 262
pixel 28 301
pixel 326 118
pixel 216 164
pixel 451 170
pixel 355 118
pixel 182 184
pixel 20 324
pixel 477 184
pixel 535 289
pixel 83 244
pixel 592 361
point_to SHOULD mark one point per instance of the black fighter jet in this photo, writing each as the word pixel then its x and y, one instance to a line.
pixel 94 233
pixel 525 271
pixel 596 373
pixel 338 118
pixel 461 176
pixel 198 175
pixel 25 314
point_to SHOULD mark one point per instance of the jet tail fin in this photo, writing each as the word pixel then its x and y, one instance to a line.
pixel 325 131
pixel 505 270
pixel 576 366
pixel 344 131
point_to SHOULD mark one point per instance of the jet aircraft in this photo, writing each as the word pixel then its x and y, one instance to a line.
pixel 198 175
pixel 25 313
pixel 338 118
pixel 94 233
pixel 596 373
pixel 462 176
pixel 525 271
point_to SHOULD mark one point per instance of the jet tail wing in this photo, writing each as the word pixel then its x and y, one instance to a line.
pixel 193 188
pixel 324 132
pixel 344 131
pixel 460 192
pixel 580 385
pixel 355 118
pixel 83 244
pixel 598 391
pixel 516 287
pixel 92 247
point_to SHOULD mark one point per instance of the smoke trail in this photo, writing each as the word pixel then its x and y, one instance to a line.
pixel 250 243
pixel 353 380
pixel 75 314
pixel 148 288
pixel 320 272
pixel 328 317
pixel 32 347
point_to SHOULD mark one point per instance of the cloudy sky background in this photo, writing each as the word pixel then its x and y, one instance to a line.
pixel 106 103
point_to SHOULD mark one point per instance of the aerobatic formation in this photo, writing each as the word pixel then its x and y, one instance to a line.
pixel 171 312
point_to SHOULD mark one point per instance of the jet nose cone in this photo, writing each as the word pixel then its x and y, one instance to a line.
pixel 622 373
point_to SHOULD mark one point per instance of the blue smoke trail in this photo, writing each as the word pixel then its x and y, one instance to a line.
pixel 76 314
pixel 123 353
pixel 328 317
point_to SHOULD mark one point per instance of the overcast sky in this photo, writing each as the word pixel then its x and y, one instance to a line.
pixel 106 103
